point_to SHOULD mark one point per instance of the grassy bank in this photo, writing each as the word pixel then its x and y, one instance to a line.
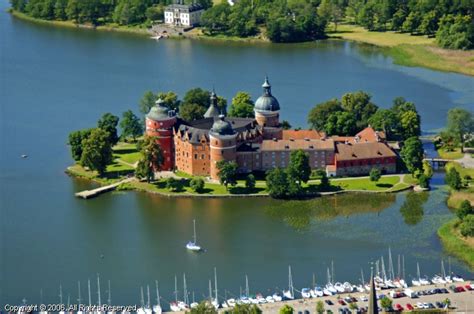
pixel 466 193
pixel 454 154
pixel 455 244
pixel 409 50
pixel 139 30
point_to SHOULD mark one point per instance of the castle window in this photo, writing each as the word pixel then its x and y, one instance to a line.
pixel 195 156
pixel 202 156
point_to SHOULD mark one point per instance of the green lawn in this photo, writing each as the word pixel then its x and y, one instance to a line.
pixel 364 184
pixel 127 152
pixel 454 243
pixel 455 154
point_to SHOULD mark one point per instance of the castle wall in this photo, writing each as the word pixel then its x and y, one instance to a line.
pixel 192 158
pixel 163 131
pixel 221 148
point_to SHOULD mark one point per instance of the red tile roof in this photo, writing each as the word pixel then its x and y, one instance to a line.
pixel 354 151
pixel 303 134
pixel 271 145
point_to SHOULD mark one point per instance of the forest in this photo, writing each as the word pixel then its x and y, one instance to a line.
pixel 450 21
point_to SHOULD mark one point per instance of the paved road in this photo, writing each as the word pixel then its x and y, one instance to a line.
pixel 467 161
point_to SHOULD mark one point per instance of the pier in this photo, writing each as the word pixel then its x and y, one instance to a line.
pixel 103 189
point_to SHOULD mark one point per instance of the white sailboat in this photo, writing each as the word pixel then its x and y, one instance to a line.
pixel 174 305
pixel 41 300
pixel 109 299
pixel 192 245
pixel 98 295
pixel 157 308
pixel 417 281
pixel 141 309
pixel 61 298
pixel 290 293
pixel 215 302
pixel 79 299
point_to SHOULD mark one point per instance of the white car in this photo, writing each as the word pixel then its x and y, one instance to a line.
pixel 364 298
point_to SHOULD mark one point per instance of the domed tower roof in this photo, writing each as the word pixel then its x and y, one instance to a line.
pixel 222 127
pixel 267 102
pixel 158 111
pixel 213 110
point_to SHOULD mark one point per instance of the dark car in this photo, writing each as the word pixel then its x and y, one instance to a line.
pixel 444 290
pixel 328 302
pixel 341 302
pixel 431 306
pixel 439 305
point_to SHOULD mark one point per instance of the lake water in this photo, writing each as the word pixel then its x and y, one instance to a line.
pixel 57 80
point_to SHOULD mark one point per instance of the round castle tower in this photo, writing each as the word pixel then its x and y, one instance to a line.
pixel 223 144
pixel 159 123
pixel 267 108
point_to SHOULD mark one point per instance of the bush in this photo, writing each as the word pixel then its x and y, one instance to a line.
pixel 197 184
pixel 286 309
pixel 250 181
pixel 464 209
pixel 467 226
pixel 424 181
pixel 173 185
pixel 453 179
pixel 375 174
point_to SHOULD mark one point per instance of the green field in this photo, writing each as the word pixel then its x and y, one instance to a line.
pixel 409 50
pixel 455 154
pixel 364 184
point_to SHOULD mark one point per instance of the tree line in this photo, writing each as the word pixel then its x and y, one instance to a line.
pixel 284 21
pixel 451 22
pixel 98 12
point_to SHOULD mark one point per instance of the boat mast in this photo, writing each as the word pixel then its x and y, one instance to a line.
pixel 194 225
pixel 247 290
pixel 79 299
pixel 418 270
pixel 290 282
pixel 109 300
pixel 377 268
pixel 449 266
pixel 362 276
pixel 185 290
pixel 98 289
pixel 403 267
pixel 142 299
pixel 60 294
pixel 390 264
pixel 443 272
pixel 157 294
pixel 89 291
pixel 41 296
pixel 399 274
pixel 333 278
pixel 384 274
pixel 176 288
pixel 314 280
pixel 194 301
pixel 210 290
pixel 329 276
pixel 215 283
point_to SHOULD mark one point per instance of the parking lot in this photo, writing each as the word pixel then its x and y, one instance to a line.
pixel 461 302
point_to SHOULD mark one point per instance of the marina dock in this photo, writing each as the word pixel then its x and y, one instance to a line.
pixel 103 189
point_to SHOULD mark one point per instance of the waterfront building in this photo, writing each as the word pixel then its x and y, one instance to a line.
pixel 183 15
pixel 260 143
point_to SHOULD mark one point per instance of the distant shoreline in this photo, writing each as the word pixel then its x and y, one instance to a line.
pixel 404 49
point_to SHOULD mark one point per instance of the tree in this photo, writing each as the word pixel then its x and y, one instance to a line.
pixel 148 100
pixel 152 158
pixel 386 303
pixel 412 154
pixel 227 172
pixel 324 180
pixel 191 112
pixel 286 309
pixel 467 226
pixel 173 184
pixel 197 184
pixel 453 179
pixel 423 181
pixel 411 23
pixel 96 151
pixel 460 123
pixel 250 182
pixel 204 307
pixel 144 170
pixel 341 123
pixel 108 123
pixel 75 142
pixel 320 113
pixel 320 307
pixel 285 125
pixel 464 209
pixel 277 183
pixel 131 125
pixel 375 174
pixel 410 124
pixel 197 96
pixel 427 169
pixel 298 167
pixel 245 309
pixel 332 11
pixel 385 120
pixel 170 99
pixel 242 106
pixel 360 106
pixel 455 32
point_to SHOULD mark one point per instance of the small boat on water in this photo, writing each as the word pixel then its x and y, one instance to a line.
pixel 347 287
pixel 305 293
pixel 290 293
pixel 270 299
pixel 457 278
pixel 277 297
pixel 157 307
pixel 174 307
pixel 317 292
pixel 339 287
pixel 192 245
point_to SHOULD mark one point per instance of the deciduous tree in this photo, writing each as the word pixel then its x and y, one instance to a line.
pixel 242 106
pixel 227 172
pixel 108 122
pixel 131 125
pixel 96 151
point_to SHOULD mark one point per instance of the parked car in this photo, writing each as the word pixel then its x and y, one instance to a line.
pixel 409 307
pixel 364 298
pixel 439 305
pixel 444 290
pixel 341 302
pixel 328 302
pixel 398 307
pixel 460 289
pixel 468 287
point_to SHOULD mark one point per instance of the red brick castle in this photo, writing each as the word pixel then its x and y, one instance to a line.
pixel 260 143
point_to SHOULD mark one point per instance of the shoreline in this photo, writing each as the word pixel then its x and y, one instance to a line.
pixel 405 53
pixel 454 244
pixel 139 186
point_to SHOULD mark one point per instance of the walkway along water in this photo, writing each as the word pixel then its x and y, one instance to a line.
pixel 92 193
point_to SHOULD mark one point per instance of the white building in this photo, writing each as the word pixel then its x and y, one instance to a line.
pixel 180 14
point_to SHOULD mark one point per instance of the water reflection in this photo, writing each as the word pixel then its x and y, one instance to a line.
pixel 298 214
pixel 412 209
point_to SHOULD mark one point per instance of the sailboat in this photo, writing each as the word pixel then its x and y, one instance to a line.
pixel 61 298
pixel 183 305
pixel 41 300
pixel 194 303
pixel 215 302
pixel 417 282
pixel 98 296
pixel 289 294
pixel 109 299
pixel 192 245
pixel 79 299
pixel 141 309
pixel 157 308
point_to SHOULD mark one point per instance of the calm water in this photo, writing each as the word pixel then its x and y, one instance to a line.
pixel 57 80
